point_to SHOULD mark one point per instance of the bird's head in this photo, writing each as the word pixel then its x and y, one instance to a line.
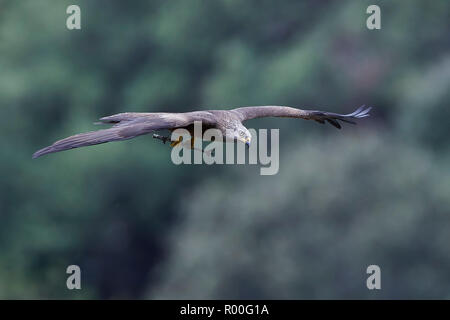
pixel 241 133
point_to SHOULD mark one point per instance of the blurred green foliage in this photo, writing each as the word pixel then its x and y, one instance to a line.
pixel 141 227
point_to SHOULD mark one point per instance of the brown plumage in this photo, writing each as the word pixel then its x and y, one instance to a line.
pixel 132 124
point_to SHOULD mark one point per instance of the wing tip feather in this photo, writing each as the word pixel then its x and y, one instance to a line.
pixel 41 152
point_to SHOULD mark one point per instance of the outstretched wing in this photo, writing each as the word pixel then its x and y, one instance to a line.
pixel 127 126
pixel 247 113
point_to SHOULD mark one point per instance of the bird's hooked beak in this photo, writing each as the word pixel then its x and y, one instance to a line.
pixel 247 143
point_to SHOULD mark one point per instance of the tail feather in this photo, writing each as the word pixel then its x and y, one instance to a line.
pixel 127 117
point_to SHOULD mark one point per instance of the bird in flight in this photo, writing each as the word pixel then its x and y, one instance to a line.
pixel 132 124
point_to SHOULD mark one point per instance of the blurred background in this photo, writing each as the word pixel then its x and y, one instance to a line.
pixel 141 227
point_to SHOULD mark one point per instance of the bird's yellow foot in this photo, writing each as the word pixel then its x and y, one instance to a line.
pixel 176 142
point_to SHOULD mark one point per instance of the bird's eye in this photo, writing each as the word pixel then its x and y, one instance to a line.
pixel 241 133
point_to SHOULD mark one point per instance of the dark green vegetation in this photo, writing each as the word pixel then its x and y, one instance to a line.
pixel 140 227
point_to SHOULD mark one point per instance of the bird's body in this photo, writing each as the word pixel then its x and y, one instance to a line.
pixel 132 124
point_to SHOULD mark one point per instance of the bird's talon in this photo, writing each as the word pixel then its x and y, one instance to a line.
pixel 162 138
